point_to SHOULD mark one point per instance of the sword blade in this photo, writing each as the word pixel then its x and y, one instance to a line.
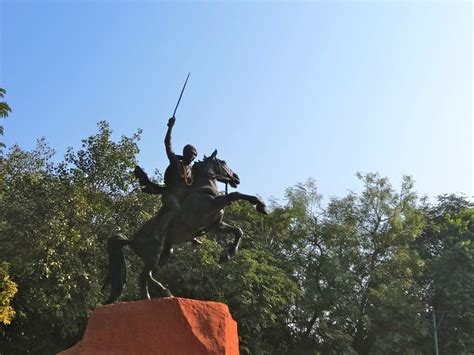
pixel 181 95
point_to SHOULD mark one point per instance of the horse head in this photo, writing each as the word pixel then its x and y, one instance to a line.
pixel 218 169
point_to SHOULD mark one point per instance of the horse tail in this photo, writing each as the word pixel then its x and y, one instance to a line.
pixel 117 268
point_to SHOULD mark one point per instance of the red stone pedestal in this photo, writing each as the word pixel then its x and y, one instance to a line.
pixel 168 326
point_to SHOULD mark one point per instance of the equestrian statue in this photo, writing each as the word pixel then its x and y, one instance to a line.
pixel 191 206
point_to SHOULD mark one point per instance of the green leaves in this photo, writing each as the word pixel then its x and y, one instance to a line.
pixel 55 222
pixel 4 108
pixel 4 111
pixel 355 274
pixel 8 289
pixel 447 250
pixel 355 268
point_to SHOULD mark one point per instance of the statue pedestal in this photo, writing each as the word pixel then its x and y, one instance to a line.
pixel 167 326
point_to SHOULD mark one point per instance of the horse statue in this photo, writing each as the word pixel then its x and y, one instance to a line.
pixel 201 212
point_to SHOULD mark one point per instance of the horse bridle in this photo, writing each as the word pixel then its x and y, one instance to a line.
pixel 228 174
pixel 226 179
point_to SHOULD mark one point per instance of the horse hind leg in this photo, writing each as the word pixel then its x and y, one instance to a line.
pixel 162 290
pixel 165 255
pixel 143 283
pixel 146 277
pixel 150 258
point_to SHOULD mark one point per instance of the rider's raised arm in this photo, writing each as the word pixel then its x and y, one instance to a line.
pixel 169 148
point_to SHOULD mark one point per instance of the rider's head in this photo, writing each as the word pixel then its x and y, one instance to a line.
pixel 189 153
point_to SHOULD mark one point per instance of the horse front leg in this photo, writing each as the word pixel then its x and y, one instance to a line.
pixel 223 201
pixel 228 253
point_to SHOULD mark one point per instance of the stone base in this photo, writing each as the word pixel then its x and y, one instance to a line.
pixel 167 326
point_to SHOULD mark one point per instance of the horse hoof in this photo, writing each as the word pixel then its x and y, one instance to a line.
pixel 165 293
pixel 262 208
pixel 225 257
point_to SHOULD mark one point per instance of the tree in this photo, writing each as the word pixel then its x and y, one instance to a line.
pixel 356 274
pixel 356 269
pixel 8 289
pixel 447 248
pixel 56 220
pixel 4 111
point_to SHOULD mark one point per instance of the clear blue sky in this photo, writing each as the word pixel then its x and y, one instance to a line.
pixel 300 89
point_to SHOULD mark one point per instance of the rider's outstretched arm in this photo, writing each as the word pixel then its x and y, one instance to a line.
pixel 147 185
pixel 169 149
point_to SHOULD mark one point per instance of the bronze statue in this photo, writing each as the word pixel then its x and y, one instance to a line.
pixel 178 179
pixel 178 176
pixel 191 207
pixel 200 211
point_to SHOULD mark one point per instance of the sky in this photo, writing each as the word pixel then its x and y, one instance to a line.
pixel 285 91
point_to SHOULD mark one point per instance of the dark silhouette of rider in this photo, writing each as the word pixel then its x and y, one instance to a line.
pixel 178 179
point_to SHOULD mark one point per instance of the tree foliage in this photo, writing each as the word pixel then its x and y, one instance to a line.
pixel 447 247
pixel 354 274
pixel 8 289
pixel 4 111
pixel 55 221
pixel 355 269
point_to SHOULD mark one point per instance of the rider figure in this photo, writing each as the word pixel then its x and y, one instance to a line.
pixel 178 179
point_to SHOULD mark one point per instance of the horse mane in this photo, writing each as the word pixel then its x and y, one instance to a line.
pixel 199 163
pixel 198 166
